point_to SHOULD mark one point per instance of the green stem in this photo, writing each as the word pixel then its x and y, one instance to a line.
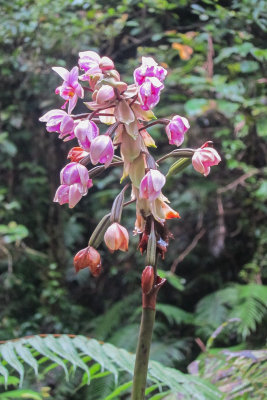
pixel 142 354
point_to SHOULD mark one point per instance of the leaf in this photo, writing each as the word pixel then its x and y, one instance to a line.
pixel 11 358
pixel 42 348
pixel 95 351
pixel 26 355
pixel 4 372
pixel 175 314
pixel 119 390
pixel 172 279
pixel 21 394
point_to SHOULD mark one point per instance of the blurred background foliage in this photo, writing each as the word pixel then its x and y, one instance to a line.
pixel 216 266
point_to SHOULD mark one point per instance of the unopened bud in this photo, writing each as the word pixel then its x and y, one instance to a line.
pixel 151 251
pixel 99 232
pixel 116 210
pixel 147 280
pixel 88 258
pixel 116 238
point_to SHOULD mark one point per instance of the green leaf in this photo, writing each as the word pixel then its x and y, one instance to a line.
pixel 42 348
pixel 9 355
pixel 175 314
pixel 4 372
pixel 21 394
pixel 172 279
pixel 26 355
pixel 95 351
pixel 119 390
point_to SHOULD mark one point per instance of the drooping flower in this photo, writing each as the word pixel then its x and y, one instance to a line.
pixel 149 93
pixel 71 194
pixel 147 280
pixel 102 150
pixel 61 122
pixel 75 182
pixel 70 90
pixel 204 158
pixel 149 68
pixel 88 258
pixel 151 184
pixel 92 63
pixel 116 238
pixel 85 132
pixel 74 173
pixel 176 130
pixel 76 154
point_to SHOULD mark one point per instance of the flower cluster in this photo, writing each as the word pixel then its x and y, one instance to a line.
pixel 114 134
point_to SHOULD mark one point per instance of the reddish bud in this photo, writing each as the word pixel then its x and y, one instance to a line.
pixel 88 258
pixel 147 280
pixel 76 154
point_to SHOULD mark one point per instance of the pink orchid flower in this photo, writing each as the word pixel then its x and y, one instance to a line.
pixel 74 173
pixel 75 182
pixel 85 132
pixel 93 64
pixel 71 194
pixel 176 130
pixel 61 122
pixel 149 93
pixel 102 150
pixel 204 158
pixel 151 184
pixel 149 68
pixel 70 90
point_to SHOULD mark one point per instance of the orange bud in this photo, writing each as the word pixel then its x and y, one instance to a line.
pixel 147 280
pixel 116 238
pixel 76 154
pixel 88 258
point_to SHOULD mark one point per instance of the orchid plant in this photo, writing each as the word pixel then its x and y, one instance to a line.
pixel 125 111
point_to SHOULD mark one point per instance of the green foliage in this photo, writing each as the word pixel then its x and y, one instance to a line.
pixel 96 360
pixel 247 303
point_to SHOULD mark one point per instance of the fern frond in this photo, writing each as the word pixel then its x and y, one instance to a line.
pixel 87 354
pixel 175 315
pixel 246 302
pixel 239 374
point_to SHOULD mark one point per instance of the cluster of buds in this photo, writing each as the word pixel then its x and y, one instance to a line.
pixel 114 134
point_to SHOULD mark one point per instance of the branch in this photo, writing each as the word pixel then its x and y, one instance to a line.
pixel 187 250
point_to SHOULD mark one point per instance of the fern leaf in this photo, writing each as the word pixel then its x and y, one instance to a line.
pixel 175 315
pixel 11 358
pixel 4 372
pixel 95 351
pixel 79 350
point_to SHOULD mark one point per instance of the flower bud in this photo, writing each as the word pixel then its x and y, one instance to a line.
pixel 204 158
pixel 176 130
pixel 74 173
pixel 151 184
pixel 106 64
pixel 76 154
pixel 147 280
pixel 85 132
pixel 102 150
pixel 88 258
pixel 104 94
pixel 116 238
